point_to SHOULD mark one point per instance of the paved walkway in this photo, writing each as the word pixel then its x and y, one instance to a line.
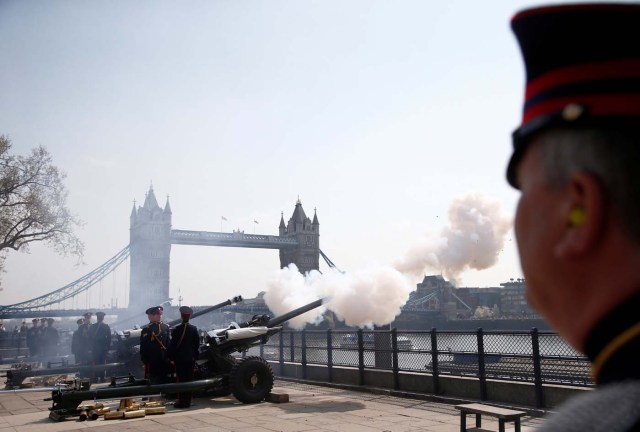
pixel 310 409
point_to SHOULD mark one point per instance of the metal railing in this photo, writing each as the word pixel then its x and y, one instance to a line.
pixel 534 357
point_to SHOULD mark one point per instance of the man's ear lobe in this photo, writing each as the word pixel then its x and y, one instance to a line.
pixel 584 208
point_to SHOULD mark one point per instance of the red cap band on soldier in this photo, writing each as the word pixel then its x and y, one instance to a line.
pixel 582 70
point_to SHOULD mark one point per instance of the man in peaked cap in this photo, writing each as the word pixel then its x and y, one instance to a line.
pixel 84 355
pixel 154 345
pixel 576 163
pixel 32 338
pixel 183 351
pixel 50 339
pixel 100 339
pixel 76 343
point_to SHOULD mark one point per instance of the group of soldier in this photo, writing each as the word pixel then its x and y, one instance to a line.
pixel 42 338
pixel 164 350
pixel 91 342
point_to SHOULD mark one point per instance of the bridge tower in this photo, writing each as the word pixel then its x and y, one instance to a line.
pixel 306 256
pixel 150 248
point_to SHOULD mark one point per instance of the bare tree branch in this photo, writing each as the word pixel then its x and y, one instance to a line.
pixel 33 204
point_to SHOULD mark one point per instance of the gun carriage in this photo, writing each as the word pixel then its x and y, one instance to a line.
pixel 218 372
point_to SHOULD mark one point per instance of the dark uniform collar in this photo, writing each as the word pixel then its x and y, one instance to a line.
pixel 613 346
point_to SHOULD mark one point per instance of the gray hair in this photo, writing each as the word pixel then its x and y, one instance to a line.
pixel 611 156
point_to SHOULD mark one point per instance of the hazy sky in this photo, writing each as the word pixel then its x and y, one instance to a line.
pixel 377 113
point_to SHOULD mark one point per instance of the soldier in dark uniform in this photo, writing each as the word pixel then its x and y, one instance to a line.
pixel 33 342
pixel 575 162
pixel 50 338
pixel 183 351
pixel 100 337
pixel 154 345
pixel 76 343
pixel 84 348
pixel 41 343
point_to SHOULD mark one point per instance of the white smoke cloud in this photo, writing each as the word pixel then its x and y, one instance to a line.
pixel 289 289
pixel 363 298
pixel 473 239
pixel 373 296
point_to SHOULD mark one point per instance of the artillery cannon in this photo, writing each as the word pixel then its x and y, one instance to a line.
pixel 249 379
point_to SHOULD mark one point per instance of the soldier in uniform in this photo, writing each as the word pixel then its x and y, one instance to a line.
pixel 100 337
pixel 41 327
pixel 76 343
pixel 154 345
pixel 32 338
pixel 575 161
pixel 183 352
pixel 84 348
pixel 50 338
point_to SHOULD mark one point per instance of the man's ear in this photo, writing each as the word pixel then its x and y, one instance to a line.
pixel 585 215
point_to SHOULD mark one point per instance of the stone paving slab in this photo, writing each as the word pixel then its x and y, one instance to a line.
pixel 311 409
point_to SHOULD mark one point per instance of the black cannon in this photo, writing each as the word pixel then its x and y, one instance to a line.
pixel 218 373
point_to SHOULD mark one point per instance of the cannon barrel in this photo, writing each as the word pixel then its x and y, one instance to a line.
pixel 276 321
pixel 236 299
pixel 70 399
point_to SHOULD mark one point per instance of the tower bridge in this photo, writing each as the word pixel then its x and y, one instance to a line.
pixel 150 241
pixel 152 236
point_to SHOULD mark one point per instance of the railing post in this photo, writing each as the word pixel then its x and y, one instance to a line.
pixel 281 354
pixel 537 368
pixel 382 352
pixel 361 356
pixel 329 355
pixel 434 361
pixel 292 342
pixel 481 371
pixel 304 353
pixel 396 367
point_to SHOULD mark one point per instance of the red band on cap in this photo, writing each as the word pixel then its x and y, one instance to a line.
pixel 571 8
pixel 628 68
pixel 623 105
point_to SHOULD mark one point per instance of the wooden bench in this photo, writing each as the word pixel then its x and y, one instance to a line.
pixel 502 414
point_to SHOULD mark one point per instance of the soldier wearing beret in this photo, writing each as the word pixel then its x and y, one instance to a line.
pixel 575 162
pixel 184 350
pixel 154 345
pixel 100 338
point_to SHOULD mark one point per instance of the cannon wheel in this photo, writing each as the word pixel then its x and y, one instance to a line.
pixel 251 379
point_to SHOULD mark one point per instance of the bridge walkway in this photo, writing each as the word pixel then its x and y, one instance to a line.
pixel 311 408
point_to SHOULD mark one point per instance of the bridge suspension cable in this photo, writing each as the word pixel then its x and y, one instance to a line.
pixel 329 262
pixel 72 289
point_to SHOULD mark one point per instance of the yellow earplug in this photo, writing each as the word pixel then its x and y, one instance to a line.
pixel 577 216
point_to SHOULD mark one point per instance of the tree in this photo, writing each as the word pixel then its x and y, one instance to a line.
pixel 33 204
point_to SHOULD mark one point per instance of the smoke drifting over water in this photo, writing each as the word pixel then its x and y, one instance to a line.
pixel 373 296
pixel 473 239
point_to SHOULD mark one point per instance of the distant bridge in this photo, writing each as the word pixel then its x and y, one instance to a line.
pixel 151 237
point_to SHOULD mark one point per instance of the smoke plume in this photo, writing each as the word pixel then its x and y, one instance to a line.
pixel 363 298
pixel 473 239
pixel 373 296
